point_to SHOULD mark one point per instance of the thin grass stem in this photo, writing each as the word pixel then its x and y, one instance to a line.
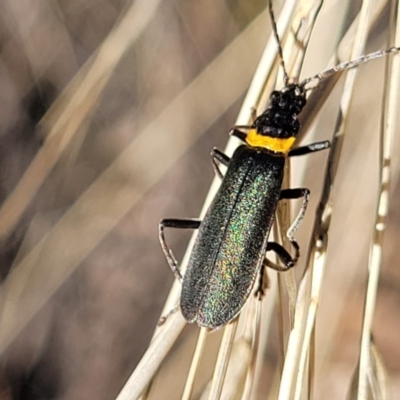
pixel 387 133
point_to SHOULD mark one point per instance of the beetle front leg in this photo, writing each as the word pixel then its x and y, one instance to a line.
pixel 291 194
pixel 219 156
pixel 169 255
pixel 235 131
pixel 311 148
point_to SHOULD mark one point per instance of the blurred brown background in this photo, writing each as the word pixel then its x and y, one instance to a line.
pixel 79 334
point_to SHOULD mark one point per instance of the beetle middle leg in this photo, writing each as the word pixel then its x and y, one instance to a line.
pixel 169 255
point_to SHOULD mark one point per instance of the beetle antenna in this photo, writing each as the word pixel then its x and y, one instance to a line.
pixel 348 64
pixel 275 31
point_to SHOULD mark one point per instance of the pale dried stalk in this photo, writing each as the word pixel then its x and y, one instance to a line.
pixel 318 262
pixel 319 95
pixel 83 95
pixel 221 365
pixel 346 286
pixel 377 378
pixel 255 338
pixel 310 279
pixel 187 392
pixel 296 59
pixel 387 134
pixel 160 346
pixel 237 370
pixel 253 99
pixel 139 379
pixel 299 338
pixel 256 81
pixel 296 47
pixel 34 279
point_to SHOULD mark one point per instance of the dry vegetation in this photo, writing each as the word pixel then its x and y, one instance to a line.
pixel 109 109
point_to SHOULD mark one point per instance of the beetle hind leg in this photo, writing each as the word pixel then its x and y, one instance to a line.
pixel 169 255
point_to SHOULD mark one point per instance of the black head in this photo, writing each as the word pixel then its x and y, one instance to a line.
pixel 280 120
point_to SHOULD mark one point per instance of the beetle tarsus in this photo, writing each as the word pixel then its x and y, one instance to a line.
pixel 260 292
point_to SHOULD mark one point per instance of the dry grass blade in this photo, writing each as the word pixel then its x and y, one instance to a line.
pixel 294 367
pixel 318 262
pixel 336 295
pixel 253 338
pixel 302 26
pixel 323 90
pixel 253 99
pixel 241 372
pixel 130 143
pixel 221 365
pixel 236 373
pixel 292 384
pixel 376 375
pixel 160 347
pixel 201 341
pixel 306 13
pixel 250 35
pixel 34 279
pixel 82 97
pixel 263 80
pixel 387 133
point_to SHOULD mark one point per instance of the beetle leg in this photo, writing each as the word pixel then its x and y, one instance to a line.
pixel 219 156
pixel 287 260
pixel 259 293
pixel 296 194
pixel 311 148
pixel 169 255
pixel 239 134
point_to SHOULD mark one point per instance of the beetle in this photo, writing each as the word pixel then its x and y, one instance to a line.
pixel 232 240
